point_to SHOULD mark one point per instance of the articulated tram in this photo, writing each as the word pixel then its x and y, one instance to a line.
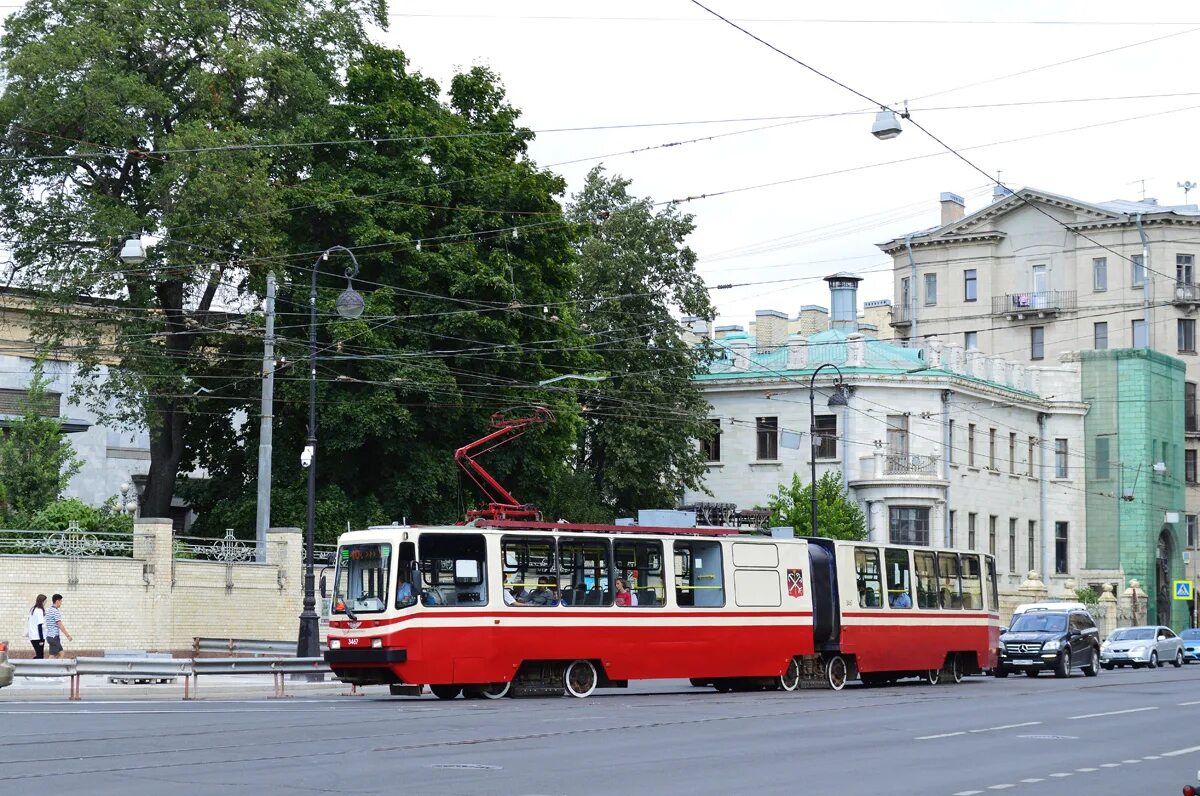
pixel 509 607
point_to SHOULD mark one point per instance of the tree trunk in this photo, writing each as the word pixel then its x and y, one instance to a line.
pixel 166 451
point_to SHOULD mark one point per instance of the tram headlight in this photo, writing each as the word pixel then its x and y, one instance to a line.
pixel 377 643
pixel 335 643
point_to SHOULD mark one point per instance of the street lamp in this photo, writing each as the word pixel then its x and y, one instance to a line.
pixel 837 399
pixel 575 377
pixel 349 305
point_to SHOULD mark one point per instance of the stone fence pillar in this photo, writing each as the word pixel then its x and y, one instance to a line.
pixel 1107 611
pixel 285 550
pixel 153 545
pixel 1132 609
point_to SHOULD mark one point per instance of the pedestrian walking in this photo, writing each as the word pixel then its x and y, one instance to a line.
pixel 55 629
pixel 35 627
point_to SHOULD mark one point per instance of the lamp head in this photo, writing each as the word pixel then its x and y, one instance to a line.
pixel 887 125
pixel 839 396
pixel 350 304
pixel 133 252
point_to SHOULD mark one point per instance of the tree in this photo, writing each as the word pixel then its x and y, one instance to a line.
pixel 133 115
pixel 636 275
pixel 37 461
pixel 838 516
pixel 467 268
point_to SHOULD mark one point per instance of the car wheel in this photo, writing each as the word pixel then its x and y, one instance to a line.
pixel 1063 667
pixel 1153 660
pixel 1108 667
pixel 1093 668
pixel 1001 673
pixel 1178 659
pixel 1032 672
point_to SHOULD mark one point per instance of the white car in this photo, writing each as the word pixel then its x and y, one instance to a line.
pixel 1149 645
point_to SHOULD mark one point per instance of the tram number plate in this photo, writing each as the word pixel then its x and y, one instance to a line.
pixel 1023 662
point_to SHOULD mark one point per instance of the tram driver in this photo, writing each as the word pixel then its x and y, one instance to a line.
pixel 405 595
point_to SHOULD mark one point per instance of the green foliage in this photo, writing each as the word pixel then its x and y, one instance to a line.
pixel 37 461
pixel 636 275
pixel 838 517
pixel 1087 595
pixel 59 515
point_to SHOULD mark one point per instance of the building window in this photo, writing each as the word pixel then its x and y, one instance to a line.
pixel 1187 335
pixel 991 449
pixel 712 445
pixel 1012 544
pixel 970 444
pixel 1037 342
pixel 950 447
pixel 970 285
pixel 905 296
pixel 1191 530
pixel 930 289
pixel 1032 544
pixel 1099 274
pixel 1100 336
pixel 1060 548
pixel 1189 407
pixel 971 530
pixel 1185 269
pixel 768 438
pixel 950 528
pixel 1137 271
pixel 1060 458
pixel 1189 466
pixel 897 435
pixel 909 525
pixel 1012 452
pixel 992 534
pixel 971 341
pixel 1101 465
pixel 826 436
pixel 1029 461
pixel 1139 333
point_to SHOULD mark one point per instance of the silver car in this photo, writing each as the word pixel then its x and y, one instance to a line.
pixel 6 668
pixel 1191 645
pixel 1148 645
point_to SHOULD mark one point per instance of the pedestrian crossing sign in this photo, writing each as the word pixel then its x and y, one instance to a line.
pixel 1183 589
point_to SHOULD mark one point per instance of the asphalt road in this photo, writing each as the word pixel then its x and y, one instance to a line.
pixel 1124 732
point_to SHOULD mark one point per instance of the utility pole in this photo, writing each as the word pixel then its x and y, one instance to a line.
pixel 263 518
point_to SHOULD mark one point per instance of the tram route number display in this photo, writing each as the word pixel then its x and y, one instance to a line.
pixel 795 582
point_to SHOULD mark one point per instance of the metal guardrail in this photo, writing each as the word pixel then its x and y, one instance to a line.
pixel 244 646
pixel 159 668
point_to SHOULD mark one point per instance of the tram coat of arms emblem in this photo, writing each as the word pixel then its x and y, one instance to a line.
pixel 795 582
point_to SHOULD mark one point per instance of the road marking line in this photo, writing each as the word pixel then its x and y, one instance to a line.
pixel 968 793
pixel 1130 762
pixel 1032 780
pixel 1062 774
pixel 1085 770
pixel 1185 704
pixel 1112 713
pixel 1109 765
pixel 1000 787
pixel 1007 726
pixel 1151 757
pixel 942 735
pixel 1178 752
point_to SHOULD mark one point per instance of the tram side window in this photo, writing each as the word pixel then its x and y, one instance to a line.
pixel 699 575
pixel 866 567
pixel 530 570
pixel 583 567
pixel 899 579
pixel 972 583
pixel 927 580
pixel 993 590
pixel 408 576
pixel 951 589
pixel 640 565
pixel 453 569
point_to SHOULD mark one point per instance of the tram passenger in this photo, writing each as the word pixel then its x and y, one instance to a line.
pixel 546 592
pixel 624 596
pixel 515 593
pixel 901 600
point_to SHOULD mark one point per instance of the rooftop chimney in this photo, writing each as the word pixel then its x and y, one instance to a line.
pixel 770 330
pixel 843 301
pixel 953 207
pixel 1000 192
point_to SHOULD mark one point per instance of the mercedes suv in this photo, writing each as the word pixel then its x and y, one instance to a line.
pixel 1057 640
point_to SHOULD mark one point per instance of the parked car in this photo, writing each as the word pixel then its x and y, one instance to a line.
pixel 1056 639
pixel 1148 645
pixel 6 668
pixel 1047 605
pixel 1191 644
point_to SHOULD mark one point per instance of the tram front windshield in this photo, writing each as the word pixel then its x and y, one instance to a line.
pixel 361 582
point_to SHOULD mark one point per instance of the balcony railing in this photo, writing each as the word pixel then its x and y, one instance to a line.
pixel 1020 305
pixel 1187 293
pixel 909 464
pixel 902 315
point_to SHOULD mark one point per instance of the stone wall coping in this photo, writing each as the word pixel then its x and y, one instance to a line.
pixel 296 531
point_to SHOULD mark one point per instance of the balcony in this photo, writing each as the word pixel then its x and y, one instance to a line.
pixel 899 467
pixel 1019 306
pixel 1186 294
pixel 901 316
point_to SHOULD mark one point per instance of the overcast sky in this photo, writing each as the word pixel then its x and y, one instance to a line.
pixel 577 64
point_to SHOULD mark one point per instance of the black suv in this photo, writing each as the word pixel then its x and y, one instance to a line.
pixel 1057 640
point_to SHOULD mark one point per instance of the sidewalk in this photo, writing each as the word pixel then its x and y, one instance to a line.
pixel 239 686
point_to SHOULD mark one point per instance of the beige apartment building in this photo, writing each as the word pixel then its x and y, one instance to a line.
pixel 1034 274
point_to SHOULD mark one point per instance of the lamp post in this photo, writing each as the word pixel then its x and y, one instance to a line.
pixel 349 305
pixel 837 399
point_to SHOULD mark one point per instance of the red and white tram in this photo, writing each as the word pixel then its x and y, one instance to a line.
pixel 501 607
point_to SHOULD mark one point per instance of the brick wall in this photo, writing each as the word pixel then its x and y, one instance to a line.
pixel 154 602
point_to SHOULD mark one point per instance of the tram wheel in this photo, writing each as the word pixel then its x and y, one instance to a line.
pixel 723 686
pixel 933 676
pixel 446 691
pixel 790 679
pixel 580 679
pixel 495 690
pixel 836 672
pixel 956 668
